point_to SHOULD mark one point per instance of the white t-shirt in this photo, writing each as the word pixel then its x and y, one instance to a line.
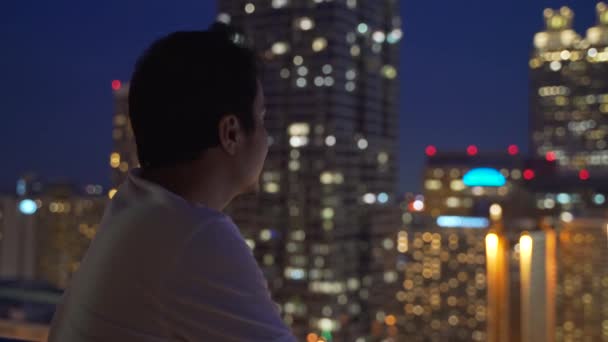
pixel 163 269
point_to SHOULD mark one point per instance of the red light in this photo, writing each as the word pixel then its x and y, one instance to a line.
pixel 513 150
pixel 430 150
pixel 472 150
pixel 528 174
pixel 583 174
pixel 116 84
pixel 550 156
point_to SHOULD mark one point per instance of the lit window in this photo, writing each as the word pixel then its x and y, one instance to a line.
pixel 302 71
pixel 249 8
pixel 319 81
pixel 271 187
pixel 379 37
pixel 301 82
pixel 355 50
pixel 279 48
pixel 382 157
pixel 351 3
pixel 349 86
pixel 298 60
pixel 223 18
pixel 124 166
pixel 329 81
pixel 294 165
pixel 279 3
pixel 382 197
pixel 452 202
pixel 327 213
pixel 351 74
pixel 115 160
pixel 285 73
pixel 299 128
pixel 457 185
pixel 369 198
pixel 330 140
pixel 362 28
pixel 389 72
pixel 327 177
pixel 362 143
pixel 555 66
pixel 327 69
pixel 298 141
pixel 394 36
pixel 265 235
pixel 305 23
pixel 432 184
pixel 319 44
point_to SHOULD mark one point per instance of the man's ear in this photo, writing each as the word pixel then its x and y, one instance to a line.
pixel 228 129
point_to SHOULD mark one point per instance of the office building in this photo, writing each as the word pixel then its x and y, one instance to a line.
pixel 569 93
pixel 329 75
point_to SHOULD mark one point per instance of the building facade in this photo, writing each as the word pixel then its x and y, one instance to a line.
pixel 569 93
pixel 329 76
pixel 124 154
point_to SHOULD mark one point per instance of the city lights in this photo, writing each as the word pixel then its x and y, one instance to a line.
pixel 483 177
pixel 28 207
pixel 462 222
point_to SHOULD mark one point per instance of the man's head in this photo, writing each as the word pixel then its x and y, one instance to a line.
pixel 197 94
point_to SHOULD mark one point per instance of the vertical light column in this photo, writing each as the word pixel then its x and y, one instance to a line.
pixel 498 295
pixel 525 265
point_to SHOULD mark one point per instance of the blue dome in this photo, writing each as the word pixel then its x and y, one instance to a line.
pixel 484 176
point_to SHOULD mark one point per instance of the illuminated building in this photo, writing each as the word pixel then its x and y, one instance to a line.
pixel 569 93
pixel 582 290
pixel 124 154
pixel 330 81
pixel 442 288
pixel 46 229
pixel 469 184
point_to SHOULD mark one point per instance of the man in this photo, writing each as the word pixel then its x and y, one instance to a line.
pixel 167 264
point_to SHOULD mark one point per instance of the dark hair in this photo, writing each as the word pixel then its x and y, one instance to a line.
pixel 182 86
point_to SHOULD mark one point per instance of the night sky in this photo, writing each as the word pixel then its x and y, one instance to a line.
pixel 464 76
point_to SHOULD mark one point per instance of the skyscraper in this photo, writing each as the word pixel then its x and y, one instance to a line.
pixel 329 75
pixel 569 93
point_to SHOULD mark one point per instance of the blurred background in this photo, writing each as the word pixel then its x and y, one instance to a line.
pixel 437 172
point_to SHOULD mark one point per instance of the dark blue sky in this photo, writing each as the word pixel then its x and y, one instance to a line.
pixel 464 76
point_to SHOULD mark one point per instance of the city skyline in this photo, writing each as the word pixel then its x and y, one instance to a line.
pixel 70 94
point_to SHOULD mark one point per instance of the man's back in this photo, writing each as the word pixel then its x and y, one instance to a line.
pixel 161 269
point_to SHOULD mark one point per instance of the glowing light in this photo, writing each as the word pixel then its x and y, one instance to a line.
pixel 279 48
pixel 379 36
pixel 492 243
pixel 312 337
pixel 566 216
pixel 555 66
pixel 525 247
pixel 28 207
pixel 583 174
pixel 550 156
pixel 495 211
pixel 484 177
pixel 382 197
pixel 330 140
pixel 599 199
pixel 116 84
pixel 529 174
pixel 223 18
pixel 362 28
pixel 394 36
pixel 115 160
pixel 418 205
pixel 112 193
pixel 249 8
pixel 513 150
pixel 362 144
pixel 306 24
pixel 390 320
pixel 462 222
pixel 299 128
pixel 319 44
pixel 279 3
pixel 430 150
pixel 389 71
pixel 472 150
pixel 369 198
